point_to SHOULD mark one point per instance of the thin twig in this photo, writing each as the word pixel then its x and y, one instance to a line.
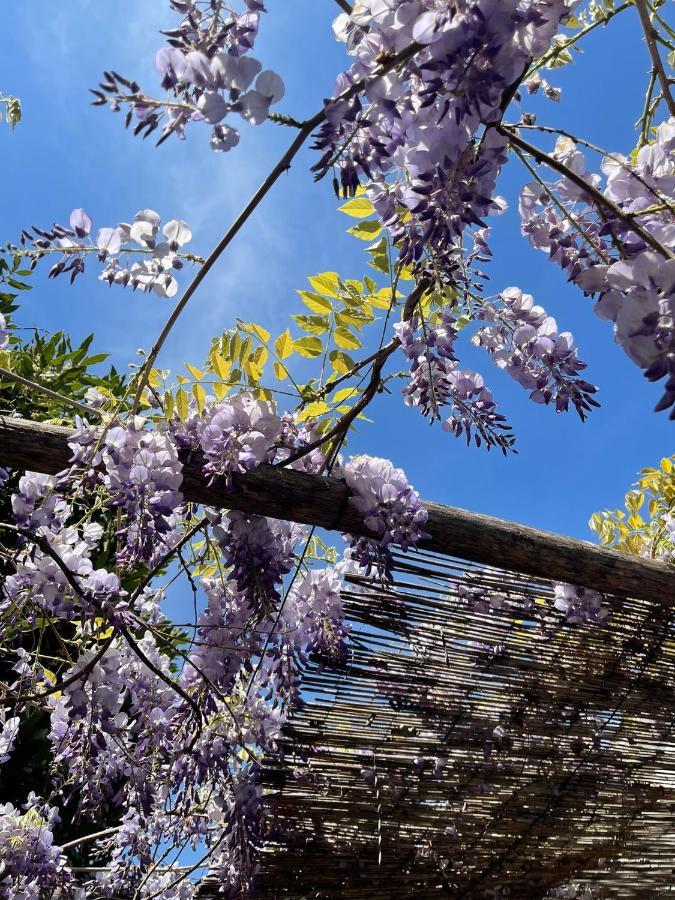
pixel 594 194
pixel 282 166
pixel 38 388
pixel 651 37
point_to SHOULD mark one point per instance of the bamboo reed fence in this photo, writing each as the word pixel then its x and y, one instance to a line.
pixel 474 744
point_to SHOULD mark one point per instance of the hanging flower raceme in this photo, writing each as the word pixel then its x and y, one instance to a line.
pixel 603 253
pixel 420 136
pixel 259 551
pixel 436 382
pixel 390 507
pixel 134 254
pixel 4 334
pixel 524 341
pixel 208 74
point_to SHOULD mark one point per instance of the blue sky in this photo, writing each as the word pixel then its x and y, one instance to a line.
pixel 67 154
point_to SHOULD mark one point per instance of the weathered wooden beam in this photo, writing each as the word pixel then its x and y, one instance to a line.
pixel 315 500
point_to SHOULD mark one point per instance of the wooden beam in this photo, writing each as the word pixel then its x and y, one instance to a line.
pixel 324 502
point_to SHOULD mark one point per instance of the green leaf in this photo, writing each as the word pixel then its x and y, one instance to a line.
pixel 194 371
pixel 357 317
pixel 182 404
pixel 280 371
pixel 345 394
pixel 379 256
pixel 366 231
pixel 327 283
pixel 312 324
pixel 345 339
pixel 252 328
pixel 199 394
pixel 283 345
pixel 308 346
pixel 221 365
pixel 342 363
pixel 316 302
pixel 314 410
pixel 359 208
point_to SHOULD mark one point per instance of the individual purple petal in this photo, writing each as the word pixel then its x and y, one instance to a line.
pixel 108 240
pixel 270 85
pixel 80 222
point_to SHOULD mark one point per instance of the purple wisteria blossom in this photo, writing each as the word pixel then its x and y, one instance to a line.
pixel 240 434
pixel 390 507
pixel 581 605
pixel 208 74
pixel 30 862
pixel 420 137
pixel 437 382
pixel 603 254
pixel 524 341
pixel 4 334
pixel 134 254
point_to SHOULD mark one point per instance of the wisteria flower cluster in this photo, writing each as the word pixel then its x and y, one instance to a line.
pixel 422 137
pixel 524 341
pixel 601 249
pixel 4 334
pixel 30 862
pixel 134 253
pixel 390 507
pixel 207 71
pixel 436 381
pixel 581 605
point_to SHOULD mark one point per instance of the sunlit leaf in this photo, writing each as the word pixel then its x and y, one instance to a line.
pixel 182 404
pixel 308 346
pixel 283 345
pixel 312 324
pixel 341 362
pixel 326 283
pixel 194 371
pixel 316 302
pixel 344 338
pixel 359 208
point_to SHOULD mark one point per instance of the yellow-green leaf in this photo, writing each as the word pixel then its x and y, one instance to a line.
pixel 199 394
pixel 359 208
pixel 342 363
pixel 283 345
pixel 312 324
pixel 169 405
pixel 327 283
pixel 194 371
pixel 252 328
pixel 182 404
pixel 345 394
pixel 280 371
pixel 314 410
pixel 345 339
pixel 308 346
pixel 316 302
pixel 221 365
pixel 366 231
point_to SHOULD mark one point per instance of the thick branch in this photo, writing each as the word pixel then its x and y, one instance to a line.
pixel 595 196
pixel 324 502
pixel 651 37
